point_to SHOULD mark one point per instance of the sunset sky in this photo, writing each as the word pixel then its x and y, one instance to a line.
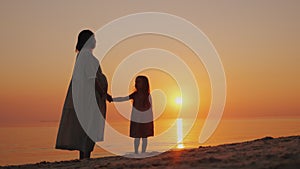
pixel 258 43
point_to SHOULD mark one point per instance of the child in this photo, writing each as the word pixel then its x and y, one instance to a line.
pixel 141 122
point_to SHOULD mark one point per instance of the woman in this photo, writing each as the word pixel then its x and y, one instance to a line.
pixel 72 133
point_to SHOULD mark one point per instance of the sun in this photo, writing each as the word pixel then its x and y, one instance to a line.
pixel 178 100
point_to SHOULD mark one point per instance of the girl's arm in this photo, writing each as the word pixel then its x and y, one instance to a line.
pixel 122 99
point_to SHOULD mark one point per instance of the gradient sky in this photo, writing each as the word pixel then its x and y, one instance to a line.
pixel 258 42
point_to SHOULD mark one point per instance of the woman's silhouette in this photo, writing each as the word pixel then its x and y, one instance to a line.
pixel 71 135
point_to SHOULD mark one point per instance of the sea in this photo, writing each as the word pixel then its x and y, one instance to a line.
pixel 35 142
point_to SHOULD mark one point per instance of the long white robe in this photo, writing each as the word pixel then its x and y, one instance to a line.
pixel 83 116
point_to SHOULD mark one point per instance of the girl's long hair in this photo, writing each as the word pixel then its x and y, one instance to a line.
pixel 145 90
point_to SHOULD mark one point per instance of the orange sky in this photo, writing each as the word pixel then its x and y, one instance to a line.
pixel 258 43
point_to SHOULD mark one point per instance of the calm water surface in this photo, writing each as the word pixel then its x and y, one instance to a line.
pixel 35 143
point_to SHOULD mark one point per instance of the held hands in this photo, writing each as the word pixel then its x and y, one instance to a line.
pixel 109 98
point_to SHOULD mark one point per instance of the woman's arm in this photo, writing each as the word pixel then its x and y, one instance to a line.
pixel 101 83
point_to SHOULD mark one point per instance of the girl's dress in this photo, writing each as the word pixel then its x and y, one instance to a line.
pixel 71 135
pixel 141 122
pixel 141 130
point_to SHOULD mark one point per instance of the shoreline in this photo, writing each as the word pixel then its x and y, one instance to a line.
pixel 267 152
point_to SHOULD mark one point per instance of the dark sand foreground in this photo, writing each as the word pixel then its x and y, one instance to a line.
pixel 268 152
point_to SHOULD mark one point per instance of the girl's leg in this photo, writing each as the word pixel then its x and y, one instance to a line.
pixel 144 144
pixel 136 145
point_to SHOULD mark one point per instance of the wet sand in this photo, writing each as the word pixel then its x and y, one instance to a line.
pixel 267 152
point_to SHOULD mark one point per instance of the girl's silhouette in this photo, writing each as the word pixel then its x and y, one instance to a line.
pixel 141 123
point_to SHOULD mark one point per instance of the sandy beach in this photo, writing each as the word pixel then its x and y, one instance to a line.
pixel 267 152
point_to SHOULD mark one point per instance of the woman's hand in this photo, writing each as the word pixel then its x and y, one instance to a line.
pixel 109 98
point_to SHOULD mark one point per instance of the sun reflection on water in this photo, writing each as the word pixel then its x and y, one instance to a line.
pixel 179 134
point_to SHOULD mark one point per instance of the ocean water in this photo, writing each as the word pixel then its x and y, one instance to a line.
pixel 32 143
